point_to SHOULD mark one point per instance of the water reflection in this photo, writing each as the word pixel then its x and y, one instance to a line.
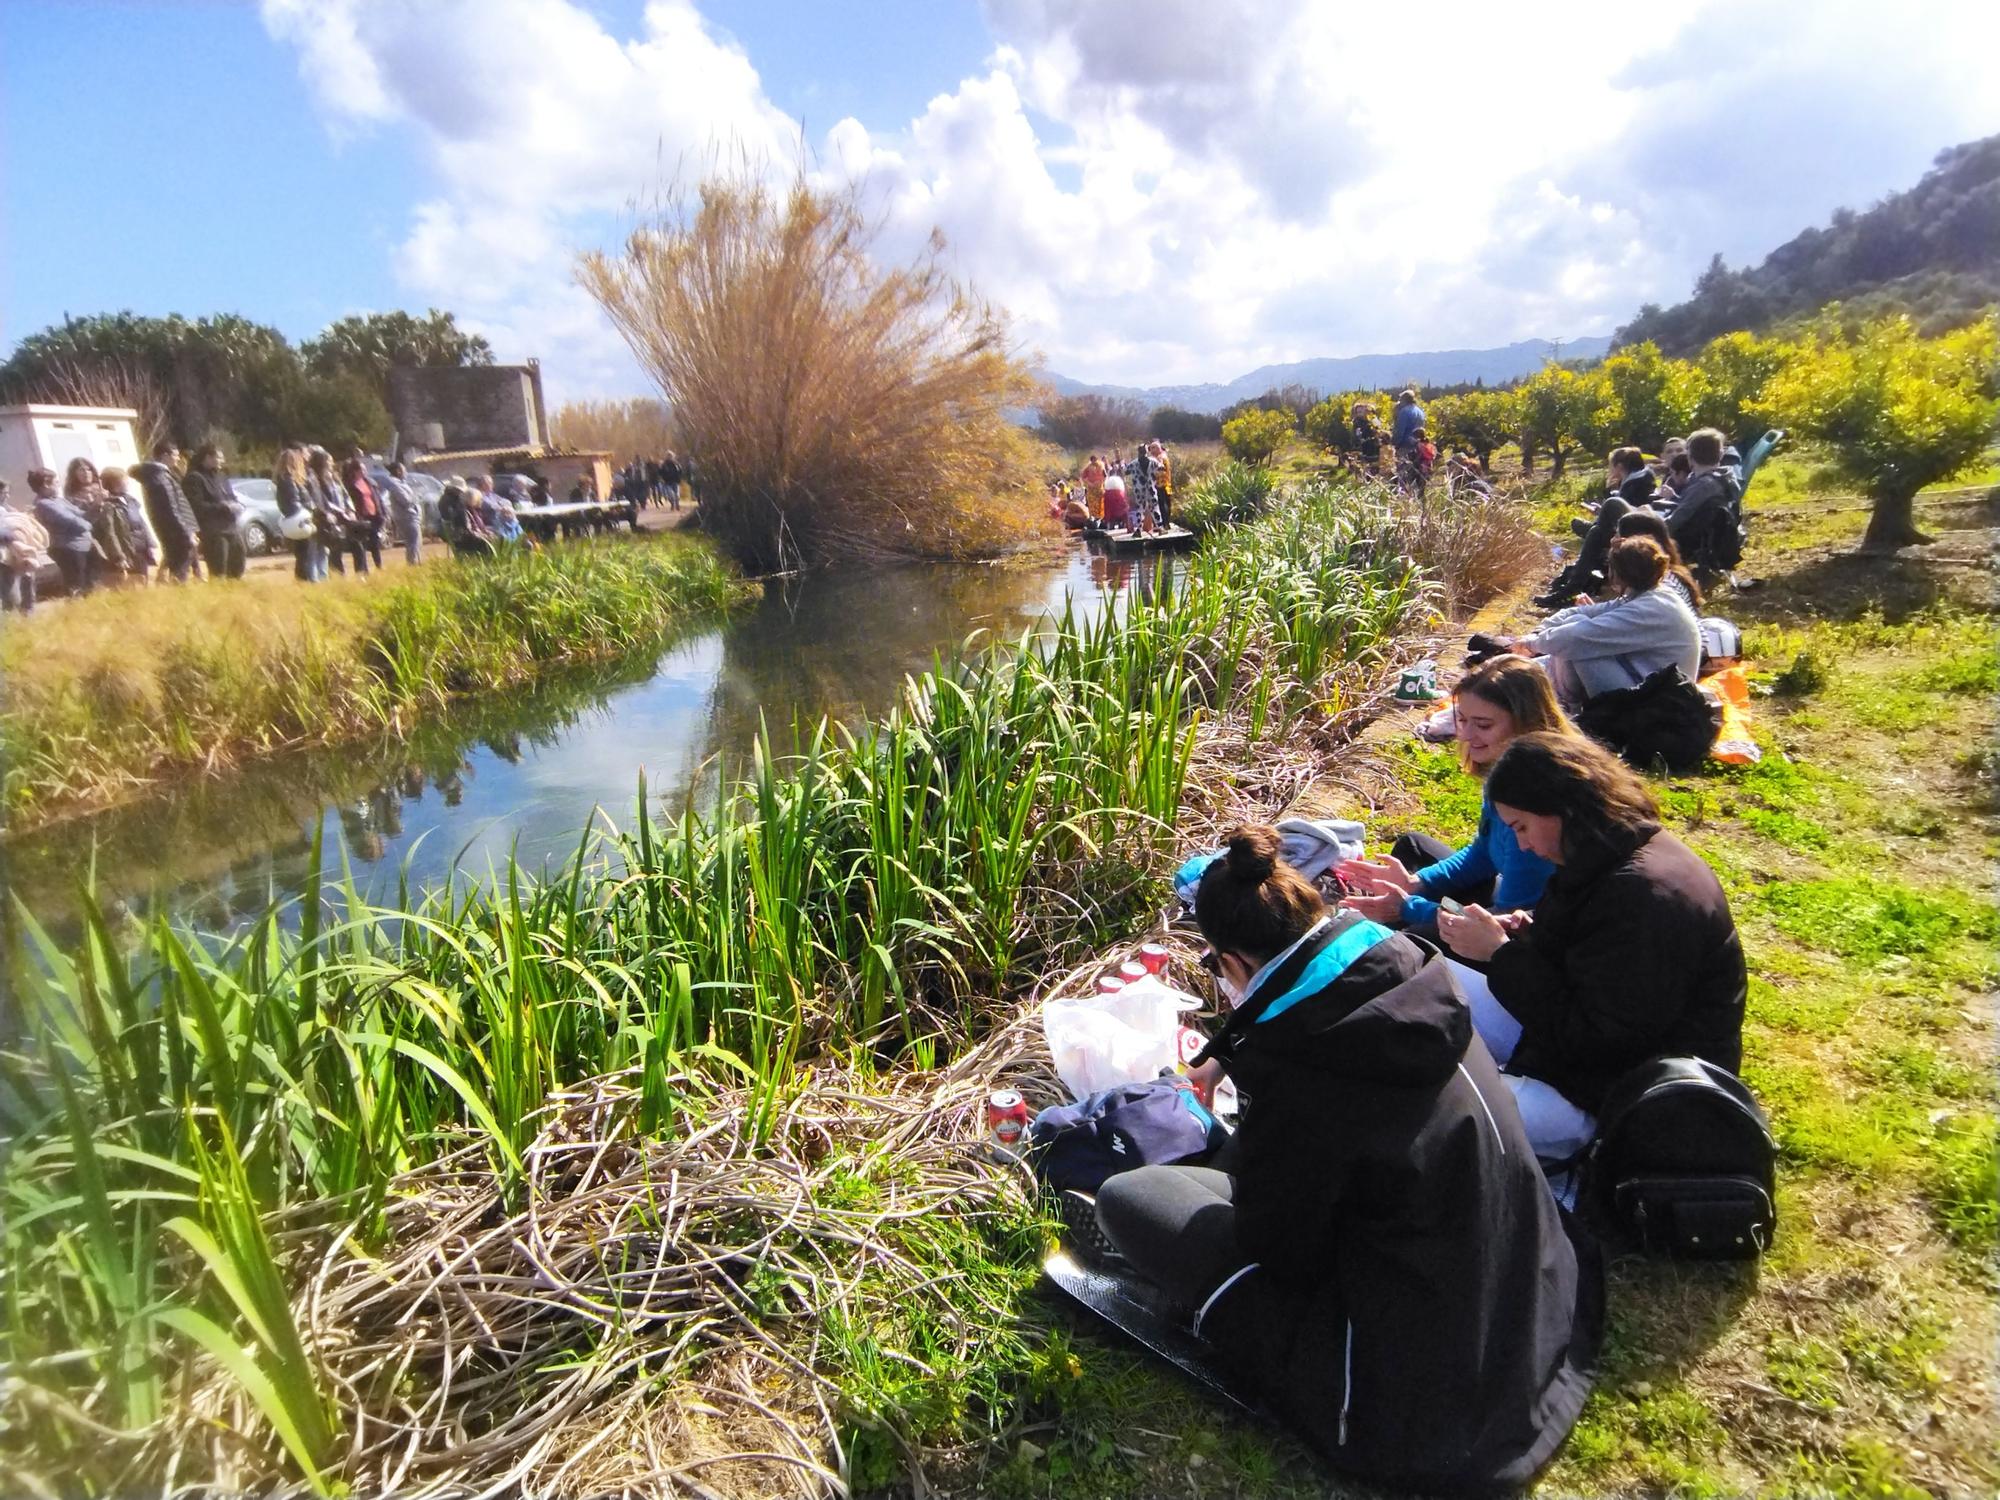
pixel 522 777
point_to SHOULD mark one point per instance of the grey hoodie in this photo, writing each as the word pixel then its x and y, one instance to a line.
pixel 1621 642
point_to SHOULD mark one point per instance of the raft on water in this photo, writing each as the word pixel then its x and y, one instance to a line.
pixel 1172 537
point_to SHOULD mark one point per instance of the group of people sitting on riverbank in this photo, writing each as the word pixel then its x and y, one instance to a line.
pixel 1382 1252
pixel 1133 494
pixel 1429 1044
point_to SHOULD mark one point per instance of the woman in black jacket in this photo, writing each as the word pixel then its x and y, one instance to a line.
pixel 217 512
pixel 1631 954
pixel 1382 1262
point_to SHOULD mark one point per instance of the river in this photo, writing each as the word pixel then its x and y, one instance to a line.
pixel 524 776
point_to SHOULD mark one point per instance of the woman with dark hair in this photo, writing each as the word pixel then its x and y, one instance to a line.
pixel 67 528
pixel 1492 704
pixel 217 512
pixel 1631 954
pixel 1382 1261
pixel 366 504
pixel 339 530
pixel 1619 643
pixel 117 558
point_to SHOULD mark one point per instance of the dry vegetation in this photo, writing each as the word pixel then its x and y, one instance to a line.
pixel 843 411
pixel 635 427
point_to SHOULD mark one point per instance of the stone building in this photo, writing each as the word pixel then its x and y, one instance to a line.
pixel 493 419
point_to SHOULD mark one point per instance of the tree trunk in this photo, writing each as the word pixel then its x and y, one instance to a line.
pixel 1558 461
pixel 1527 457
pixel 1893 524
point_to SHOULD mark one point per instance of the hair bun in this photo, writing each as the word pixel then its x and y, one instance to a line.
pixel 1253 851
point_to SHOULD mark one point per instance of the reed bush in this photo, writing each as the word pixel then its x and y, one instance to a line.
pixel 395 1086
pixel 842 410
pixel 119 689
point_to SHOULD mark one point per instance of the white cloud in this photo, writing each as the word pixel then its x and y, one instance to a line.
pixel 1168 190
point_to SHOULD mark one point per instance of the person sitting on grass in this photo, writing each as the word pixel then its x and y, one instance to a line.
pixel 1705 516
pixel 1492 704
pixel 1382 1262
pixel 1650 523
pixel 1630 955
pixel 1632 487
pixel 1619 643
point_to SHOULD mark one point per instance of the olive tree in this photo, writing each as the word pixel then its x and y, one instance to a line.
pixel 1256 435
pixel 1895 412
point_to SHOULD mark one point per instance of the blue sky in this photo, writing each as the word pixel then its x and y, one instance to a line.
pixel 1157 190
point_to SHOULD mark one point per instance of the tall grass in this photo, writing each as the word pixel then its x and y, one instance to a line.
pixel 841 410
pixel 193 1122
pixel 116 690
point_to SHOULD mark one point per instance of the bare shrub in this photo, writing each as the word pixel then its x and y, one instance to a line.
pixel 1476 544
pixel 106 381
pixel 636 427
pixel 840 410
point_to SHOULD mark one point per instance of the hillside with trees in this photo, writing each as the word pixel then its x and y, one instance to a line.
pixel 1931 253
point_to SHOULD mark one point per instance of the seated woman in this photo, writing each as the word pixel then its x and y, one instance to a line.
pixel 1117 509
pixel 1651 523
pixel 1631 954
pixel 1492 704
pixel 1632 487
pixel 1383 1262
pixel 1595 648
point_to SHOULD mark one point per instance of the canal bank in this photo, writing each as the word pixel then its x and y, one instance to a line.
pixel 703 1000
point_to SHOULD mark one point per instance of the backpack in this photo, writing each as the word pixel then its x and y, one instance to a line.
pixel 1684 1162
pixel 1116 1129
pixel 1664 718
pixel 1718 546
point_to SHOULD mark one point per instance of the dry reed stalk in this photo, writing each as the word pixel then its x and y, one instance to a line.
pixel 840 411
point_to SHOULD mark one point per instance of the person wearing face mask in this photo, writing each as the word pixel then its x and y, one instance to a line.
pixel 1632 953
pixel 1493 703
pixel 1381 1260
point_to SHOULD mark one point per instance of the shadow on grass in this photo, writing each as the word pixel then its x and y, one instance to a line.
pixel 1665 1315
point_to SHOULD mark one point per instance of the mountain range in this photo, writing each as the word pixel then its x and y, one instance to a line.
pixel 1358 372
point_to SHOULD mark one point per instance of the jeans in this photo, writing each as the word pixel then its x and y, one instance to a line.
pixel 356 544
pixel 413 537
pixel 223 552
pixel 78 569
pixel 1557 1129
pixel 17 590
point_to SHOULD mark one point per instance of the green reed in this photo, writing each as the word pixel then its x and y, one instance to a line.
pixel 891 888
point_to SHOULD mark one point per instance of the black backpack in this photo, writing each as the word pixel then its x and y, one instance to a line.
pixel 1684 1162
pixel 1718 546
pixel 1662 718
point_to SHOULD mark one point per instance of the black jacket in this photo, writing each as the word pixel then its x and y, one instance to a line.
pixel 1632 955
pixel 1639 489
pixel 215 504
pixel 1413 1301
pixel 166 502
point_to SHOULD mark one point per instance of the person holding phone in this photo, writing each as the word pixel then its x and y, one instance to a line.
pixel 1631 953
pixel 1492 705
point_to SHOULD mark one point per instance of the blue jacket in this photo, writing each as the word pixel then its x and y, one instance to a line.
pixel 1494 854
pixel 68 527
pixel 1408 420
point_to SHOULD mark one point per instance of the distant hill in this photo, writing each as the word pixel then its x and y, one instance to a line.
pixel 1355 373
pixel 1932 252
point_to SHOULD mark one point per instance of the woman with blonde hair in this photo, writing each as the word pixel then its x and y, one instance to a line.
pixel 1493 703
pixel 295 495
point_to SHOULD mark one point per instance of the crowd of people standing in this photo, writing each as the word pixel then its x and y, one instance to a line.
pixel 667 480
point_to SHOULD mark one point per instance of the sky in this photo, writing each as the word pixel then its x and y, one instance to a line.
pixel 1157 191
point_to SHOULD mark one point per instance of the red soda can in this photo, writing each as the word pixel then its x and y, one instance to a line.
pixel 1131 971
pixel 1154 957
pixel 1006 1122
pixel 1110 984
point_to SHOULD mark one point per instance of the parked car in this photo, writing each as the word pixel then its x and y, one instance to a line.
pixel 260 530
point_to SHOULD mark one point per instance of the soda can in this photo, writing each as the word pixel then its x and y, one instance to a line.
pixel 1110 984
pixel 1154 957
pixel 1131 971
pixel 1006 1123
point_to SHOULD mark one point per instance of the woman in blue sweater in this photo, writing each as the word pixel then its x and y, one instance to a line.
pixel 1505 697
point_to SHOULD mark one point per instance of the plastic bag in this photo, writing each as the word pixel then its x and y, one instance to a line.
pixel 1102 1041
